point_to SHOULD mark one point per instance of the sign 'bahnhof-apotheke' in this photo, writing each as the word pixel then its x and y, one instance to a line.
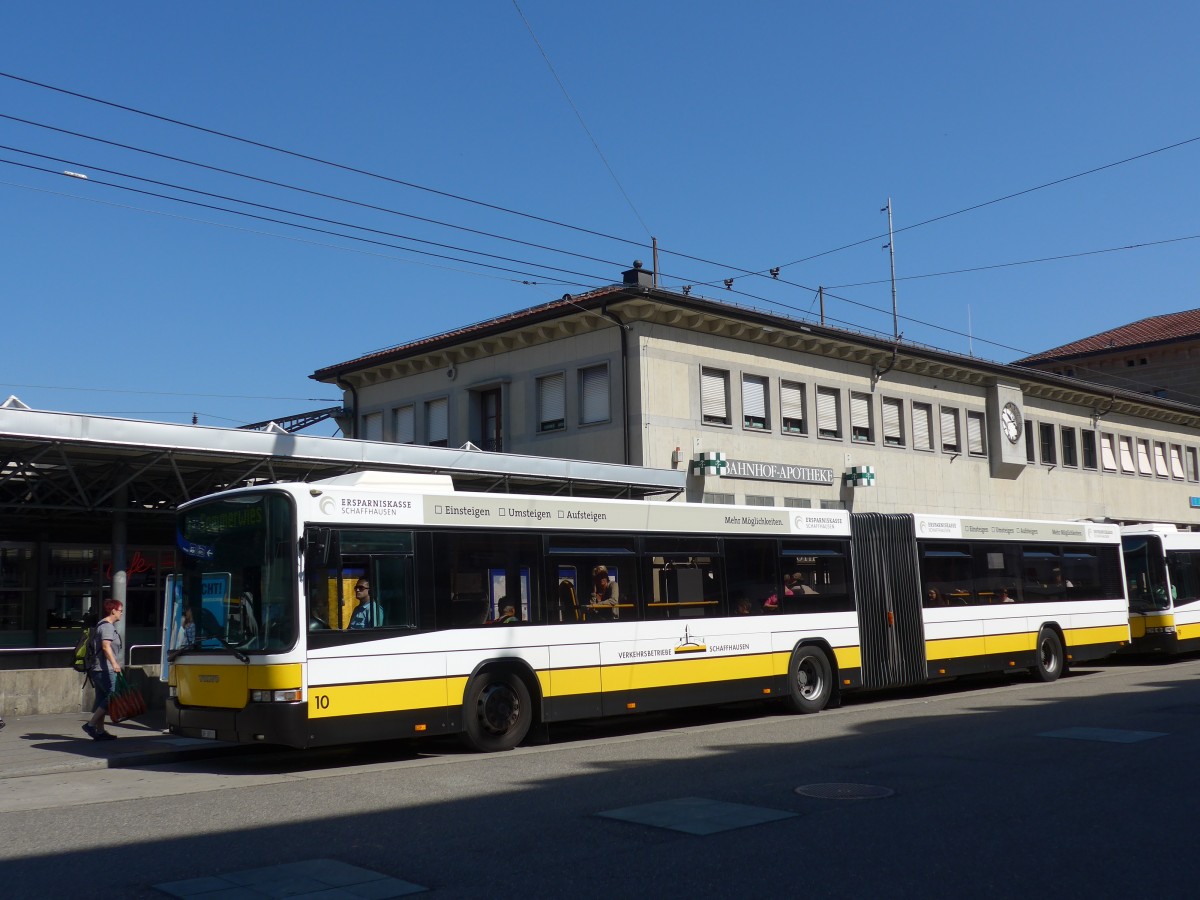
pixel 744 468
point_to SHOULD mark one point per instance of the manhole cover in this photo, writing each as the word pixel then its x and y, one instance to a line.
pixel 844 791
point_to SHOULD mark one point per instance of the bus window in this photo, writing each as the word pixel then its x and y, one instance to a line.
pixel 476 575
pixel 948 575
pixel 815 577
pixel 997 573
pixel 684 582
pixel 1184 568
pixel 598 574
pixel 751 572
pixel 1145 573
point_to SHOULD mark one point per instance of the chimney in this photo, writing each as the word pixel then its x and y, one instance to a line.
pixel 639 276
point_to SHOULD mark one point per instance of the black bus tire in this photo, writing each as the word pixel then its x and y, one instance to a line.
pixel 1050 657
pixel 497 711
pixel 810 680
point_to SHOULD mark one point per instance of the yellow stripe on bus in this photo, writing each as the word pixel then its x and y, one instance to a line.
pixel 1139 624
pixel 980 645
pixel 1185 632
pixel 384 696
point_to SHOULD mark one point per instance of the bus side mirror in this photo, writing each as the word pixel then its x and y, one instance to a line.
pixel 316 545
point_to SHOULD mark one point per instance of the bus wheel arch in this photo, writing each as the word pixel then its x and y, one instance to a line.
pixel 499 706
pixel 1050 653
pixel 811 677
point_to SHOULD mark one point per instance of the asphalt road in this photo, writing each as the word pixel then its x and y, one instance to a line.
pixel 994 788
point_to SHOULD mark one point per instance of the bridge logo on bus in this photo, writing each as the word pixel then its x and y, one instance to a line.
pixel 328 506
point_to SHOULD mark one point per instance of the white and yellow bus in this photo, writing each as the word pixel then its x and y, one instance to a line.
pixel 496 612
pixel 1162 564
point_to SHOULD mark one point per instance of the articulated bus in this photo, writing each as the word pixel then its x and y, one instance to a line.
pixel 1163 568
pixel 490 613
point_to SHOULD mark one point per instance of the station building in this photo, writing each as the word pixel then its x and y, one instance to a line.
pixel 763 409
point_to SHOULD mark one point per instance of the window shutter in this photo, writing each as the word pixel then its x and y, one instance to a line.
pixel 712 395
pixel 949 430
pixel 1127 455
pixel 791 401
pixel 373 426
pixel 594 390
pixel 552 401
pixel 754 396
pixel 891 420
pixel 860 411
pixel 975 433
pixel 405 426
pixel 827 410
pixel 922 417
pixel 1107 458
pixel 1160 460
pixel 436 420
pixel 1143 451
pixel 1176 461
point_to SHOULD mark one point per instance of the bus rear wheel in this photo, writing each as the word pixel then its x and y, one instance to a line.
pixel 1050 657
pixel 497 712
pixel 810 680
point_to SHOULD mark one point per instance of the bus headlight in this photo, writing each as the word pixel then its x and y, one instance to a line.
pixel 288 696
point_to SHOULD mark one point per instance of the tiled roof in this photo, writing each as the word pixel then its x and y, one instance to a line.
pixel 1154 330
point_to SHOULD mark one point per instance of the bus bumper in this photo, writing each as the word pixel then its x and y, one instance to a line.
pixel 255 723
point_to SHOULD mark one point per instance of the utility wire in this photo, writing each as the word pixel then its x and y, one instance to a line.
pixel 285 237
pixel 302 190
pixel 236 212
pixel 345 168
pixel 578 115
pixel 289 212
pixel 1024 262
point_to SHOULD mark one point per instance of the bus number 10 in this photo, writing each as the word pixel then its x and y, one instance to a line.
pixel 321 701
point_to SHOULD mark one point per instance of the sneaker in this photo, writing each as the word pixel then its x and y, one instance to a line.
pixel 90 731
pixel 105 736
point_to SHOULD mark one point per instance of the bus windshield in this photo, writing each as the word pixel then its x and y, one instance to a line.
pixel 236 590
pixel 1146 574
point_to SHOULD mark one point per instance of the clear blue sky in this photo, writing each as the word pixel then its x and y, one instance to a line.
pixel 752 135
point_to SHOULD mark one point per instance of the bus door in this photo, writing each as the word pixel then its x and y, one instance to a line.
pixel 887 587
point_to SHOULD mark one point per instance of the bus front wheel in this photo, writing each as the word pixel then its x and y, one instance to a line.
pixel 810 680
pixel 497 711
pixel 1050 658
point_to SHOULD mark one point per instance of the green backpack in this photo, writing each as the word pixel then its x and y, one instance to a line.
pixel 85 652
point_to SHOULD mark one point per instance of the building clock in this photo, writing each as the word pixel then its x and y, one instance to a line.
pixel 1011 422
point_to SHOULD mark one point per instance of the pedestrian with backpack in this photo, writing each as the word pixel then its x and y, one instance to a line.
pixel 103 668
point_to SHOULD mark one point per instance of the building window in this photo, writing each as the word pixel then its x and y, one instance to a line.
pixel 1126 445
pixel 1143 455
pixel 404 425
pixel 922 424
pixel 372 425
pixel 754 402
pixel 832 504
pixel 759 500
pixel 1088 443
pixel 1177 461
pixel 716 497
pixel 1030 450
pixel 552 402
pixel 829 413
pixel 791 407
pixel 1193 464
pixel 437 422
pixel 976 429
pixel 1046 439
pixel 797 502
pixel 714 396
pixel 1108 456
pixel 491 421
pixel 951 442
pixel 594 395
pixel 1160 460
pixel 1070 454
pixel 862 428
pixel 893 422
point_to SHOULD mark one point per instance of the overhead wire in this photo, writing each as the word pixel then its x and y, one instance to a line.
pixel 578 115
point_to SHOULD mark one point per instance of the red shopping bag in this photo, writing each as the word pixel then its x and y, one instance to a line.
pixel 125 701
